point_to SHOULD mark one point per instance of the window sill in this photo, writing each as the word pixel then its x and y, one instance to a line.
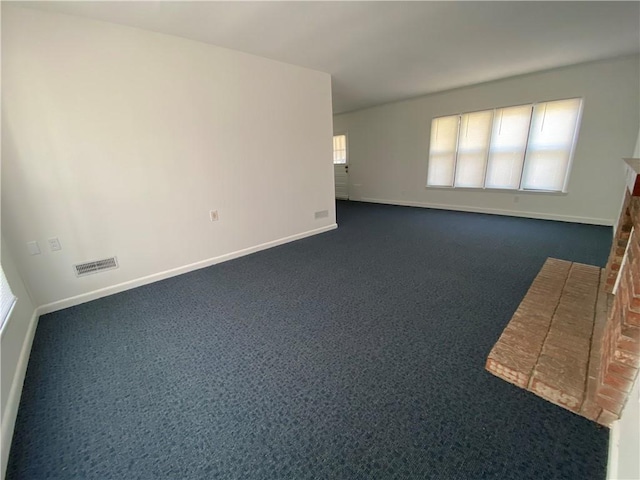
pixel 500 190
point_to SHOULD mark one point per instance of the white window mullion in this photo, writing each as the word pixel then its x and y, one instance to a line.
pixel 574 141
pixel 524 160
pixel 455 153
pixel 486 162
pixel 456 165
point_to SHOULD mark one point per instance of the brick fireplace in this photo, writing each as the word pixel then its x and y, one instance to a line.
pixel 575 338
pixel 620 355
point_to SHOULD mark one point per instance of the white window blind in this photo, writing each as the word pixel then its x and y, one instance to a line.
pixel 339 149
pixel 508 144
pixel 553 126
pixel 473 145
pixel 6 298
pixel 524 147
pixel 442 150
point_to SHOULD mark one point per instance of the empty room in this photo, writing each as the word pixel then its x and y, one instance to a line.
pixel 309 240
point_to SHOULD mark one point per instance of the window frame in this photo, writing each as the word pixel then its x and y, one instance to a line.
pixel 5 315
pixel 346 147
pixel 519 190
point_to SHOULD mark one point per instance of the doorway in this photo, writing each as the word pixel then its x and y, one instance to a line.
pixel 341 166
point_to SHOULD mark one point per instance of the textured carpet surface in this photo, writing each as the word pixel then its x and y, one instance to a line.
pixel 355 354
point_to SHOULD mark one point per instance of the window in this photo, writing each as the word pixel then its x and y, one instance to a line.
pixel 525 147
pixel 6 299
pixel 339 149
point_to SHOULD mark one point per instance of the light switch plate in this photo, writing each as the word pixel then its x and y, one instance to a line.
pixel 34 248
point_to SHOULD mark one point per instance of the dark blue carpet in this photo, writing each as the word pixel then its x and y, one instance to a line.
pixel 355 354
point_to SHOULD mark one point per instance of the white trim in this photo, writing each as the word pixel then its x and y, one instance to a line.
pixel 6 296
pixel 13 400
pixel 6 318
pixel 492 211
pixel 574 144
pixel 614 451
pixel 121 287
pixel 513 191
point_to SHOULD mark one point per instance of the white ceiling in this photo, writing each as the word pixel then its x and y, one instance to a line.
pixel 379 52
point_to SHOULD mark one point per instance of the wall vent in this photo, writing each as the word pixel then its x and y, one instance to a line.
pixel 322 214
pixel 88 268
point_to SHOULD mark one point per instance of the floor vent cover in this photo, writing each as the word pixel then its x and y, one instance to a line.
pixel 88 268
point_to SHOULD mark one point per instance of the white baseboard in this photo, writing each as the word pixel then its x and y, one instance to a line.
pixel 15 392
pixel 493 211
pixel 121 287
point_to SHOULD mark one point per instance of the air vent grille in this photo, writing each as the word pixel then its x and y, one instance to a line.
pixel 88 268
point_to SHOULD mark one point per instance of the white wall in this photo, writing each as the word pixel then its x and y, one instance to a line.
pixel 389 144
pixel 16 338
pixel 120 141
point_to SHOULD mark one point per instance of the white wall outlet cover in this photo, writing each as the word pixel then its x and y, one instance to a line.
pixel 54 244
pixel 34 248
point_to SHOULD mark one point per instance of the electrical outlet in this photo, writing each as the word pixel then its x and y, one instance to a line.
pixel 54 244
pixel 213 214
